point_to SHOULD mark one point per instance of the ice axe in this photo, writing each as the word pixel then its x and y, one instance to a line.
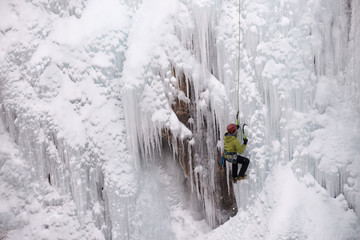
pixel 237 119
pixel 243 130
pixel 237 124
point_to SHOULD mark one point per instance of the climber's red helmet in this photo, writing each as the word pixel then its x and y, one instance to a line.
pixel 231 128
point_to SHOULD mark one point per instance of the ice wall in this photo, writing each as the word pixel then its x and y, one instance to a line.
pixel 174 95
pixel 352 69
pixel 296 70
pixel 93 100
pixel 337 171
pixel 59 100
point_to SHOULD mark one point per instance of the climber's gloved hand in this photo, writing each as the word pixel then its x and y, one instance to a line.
pixel 245 141
pixel 237 126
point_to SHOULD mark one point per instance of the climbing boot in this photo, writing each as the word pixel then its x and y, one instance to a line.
pixel 241 178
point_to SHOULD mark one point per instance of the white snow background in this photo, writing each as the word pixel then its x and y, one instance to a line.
pixel 86 89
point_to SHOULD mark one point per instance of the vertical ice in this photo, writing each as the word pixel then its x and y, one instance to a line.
pixel 93 103
pixel 290 94
pixel 59 101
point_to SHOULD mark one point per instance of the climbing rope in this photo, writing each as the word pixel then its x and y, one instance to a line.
pixel 238 80
pixel 238 85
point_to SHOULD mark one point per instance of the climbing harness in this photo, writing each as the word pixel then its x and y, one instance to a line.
pixel 228 157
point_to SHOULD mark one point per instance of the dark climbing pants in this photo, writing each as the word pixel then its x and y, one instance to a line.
pixel 244 165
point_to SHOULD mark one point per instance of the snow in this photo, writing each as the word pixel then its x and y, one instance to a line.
pixel 32 209
pixel 88 96
pixel 291 207
pixel 96 19
pixel 8 17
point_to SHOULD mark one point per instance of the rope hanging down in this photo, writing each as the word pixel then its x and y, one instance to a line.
pixel 238 85
pixel 238 80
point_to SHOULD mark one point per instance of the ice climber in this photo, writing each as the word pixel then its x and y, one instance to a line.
pixel 232 151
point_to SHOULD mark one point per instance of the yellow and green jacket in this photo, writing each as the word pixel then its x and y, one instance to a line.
pixel 232 146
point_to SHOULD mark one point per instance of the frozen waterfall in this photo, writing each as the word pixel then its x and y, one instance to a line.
pixel 113 115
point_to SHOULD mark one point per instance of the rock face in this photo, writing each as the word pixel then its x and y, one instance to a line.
pixel 200 158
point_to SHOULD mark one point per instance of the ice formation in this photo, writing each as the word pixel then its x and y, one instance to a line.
pixel 121 106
